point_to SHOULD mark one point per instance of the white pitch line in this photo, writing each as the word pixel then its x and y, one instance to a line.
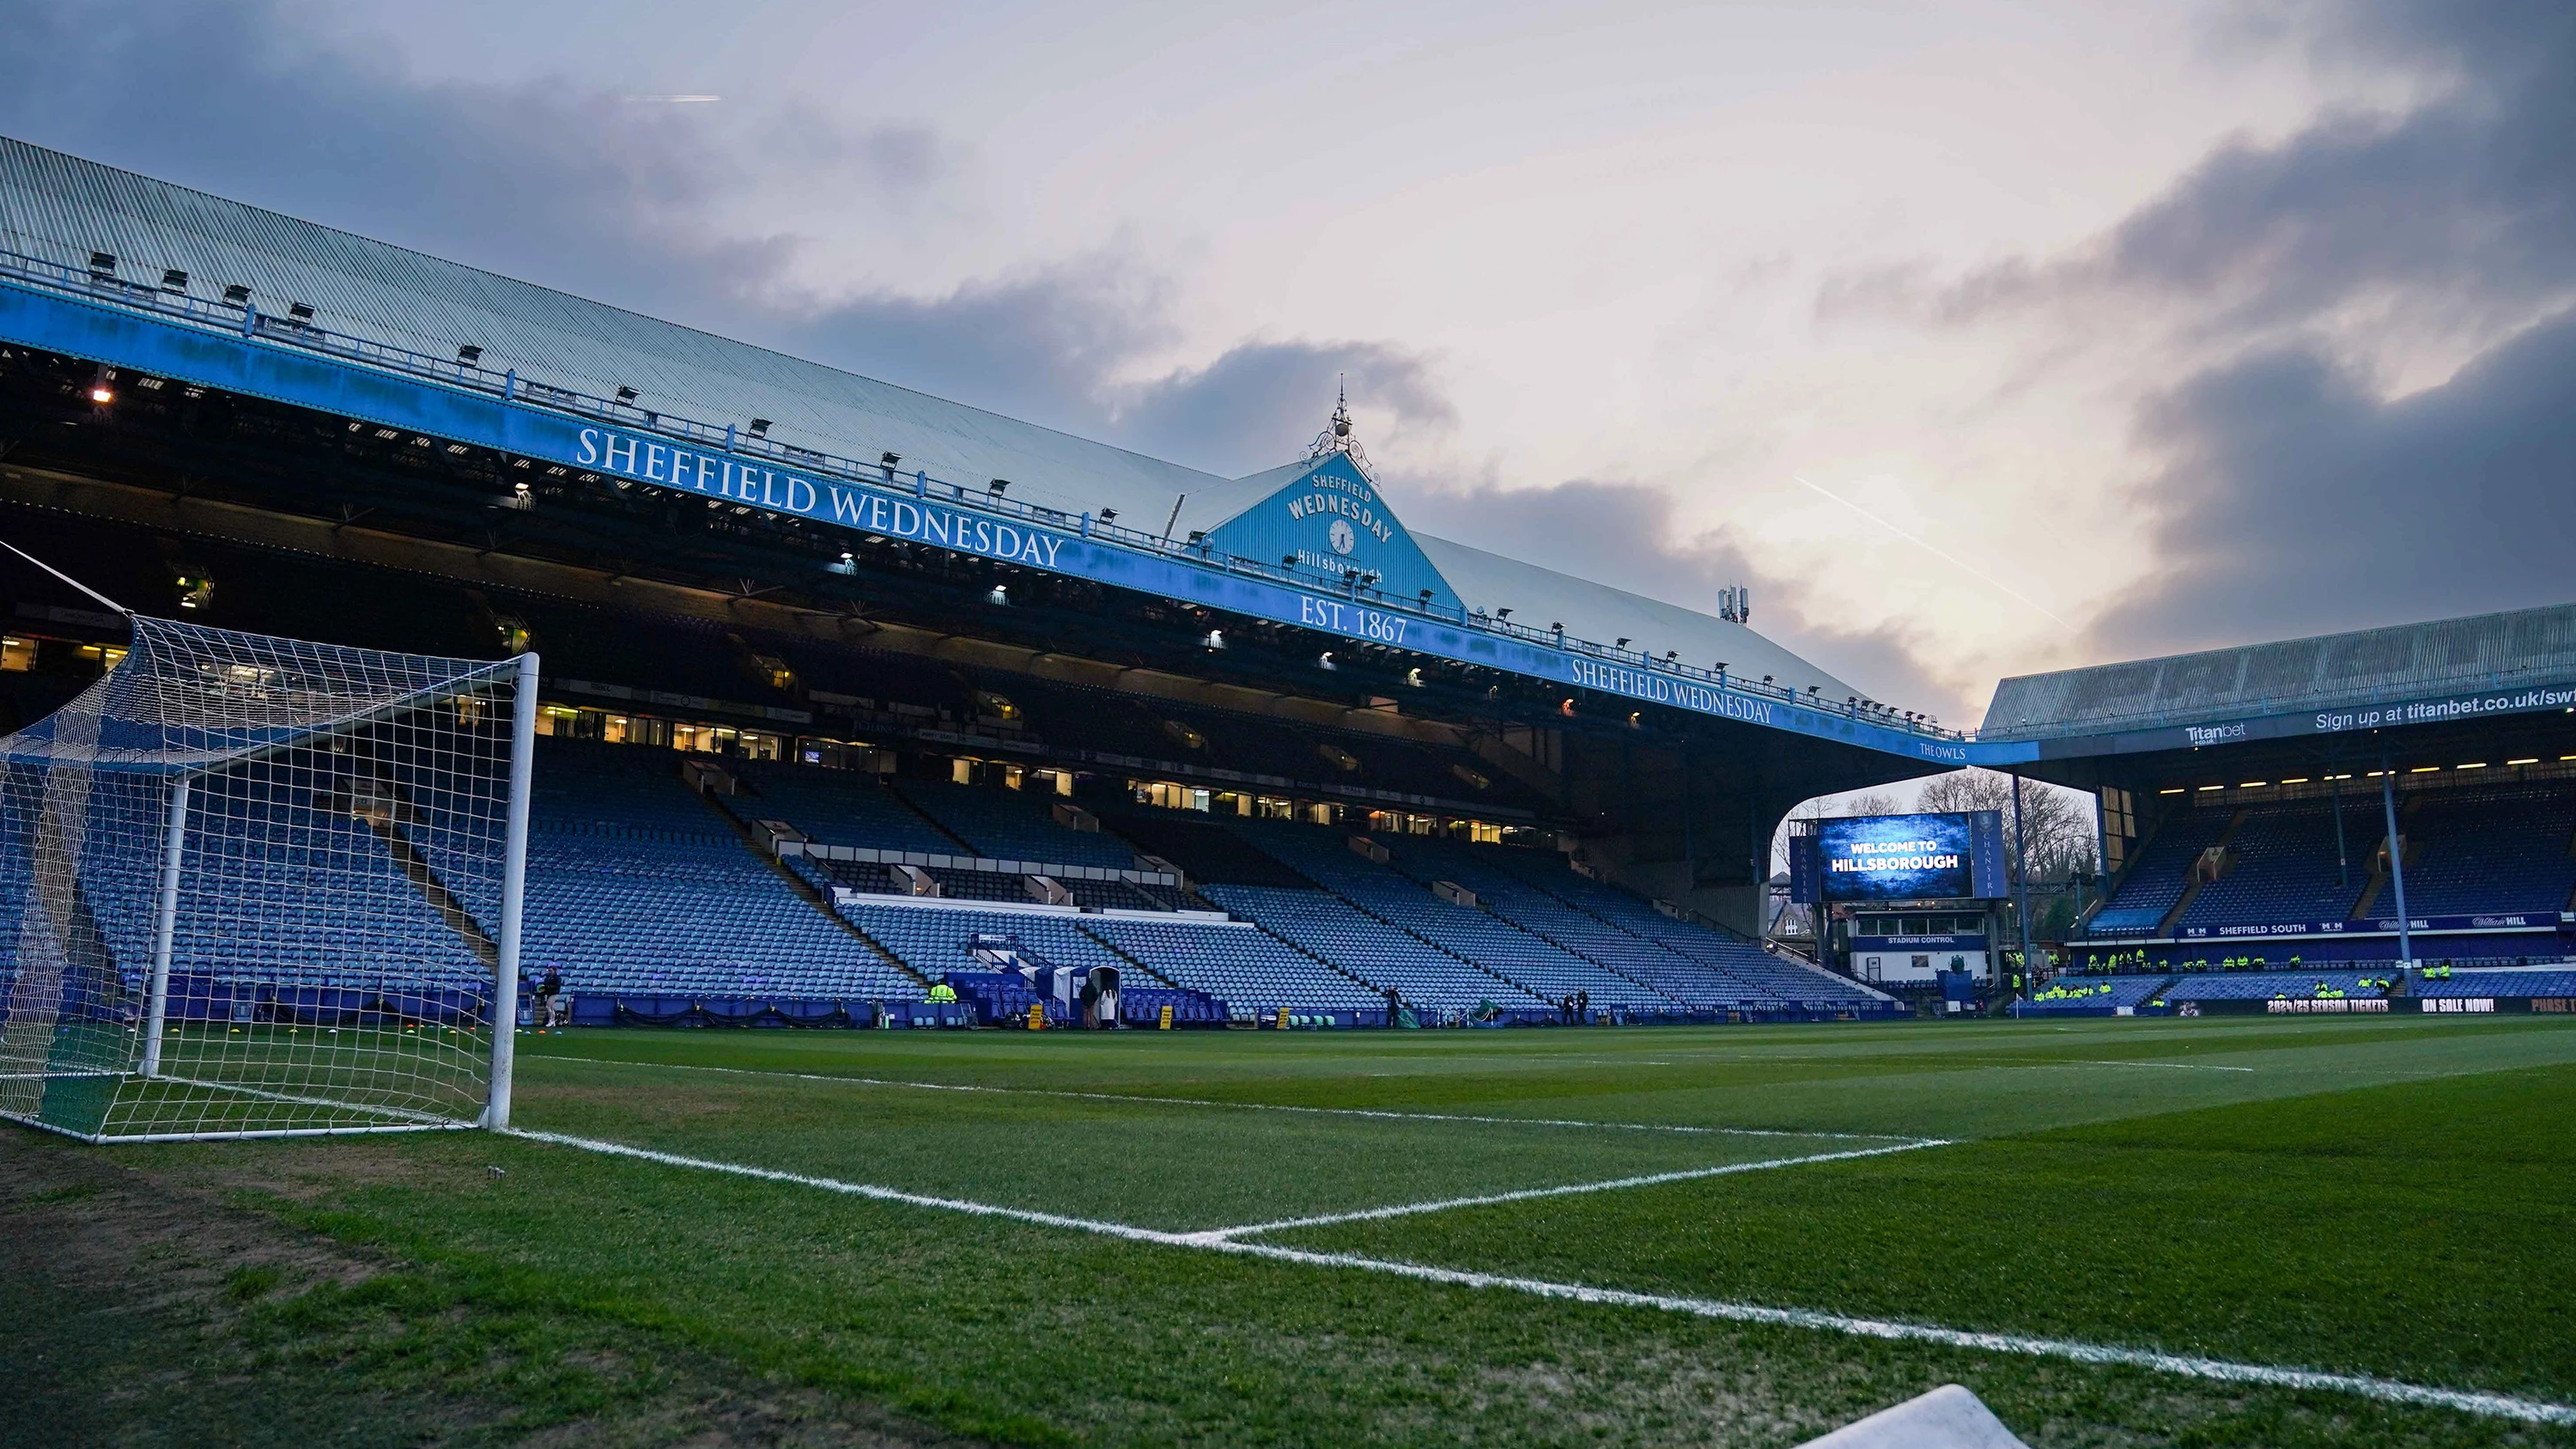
pixel 1380 1114
pixel 2168 1066
pixel 1529 1194
pixel 2494 1406
pixel 2499 1406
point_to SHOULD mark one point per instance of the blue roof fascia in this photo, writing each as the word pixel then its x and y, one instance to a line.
pixel 243 353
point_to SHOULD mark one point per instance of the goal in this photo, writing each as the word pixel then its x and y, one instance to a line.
pixel 253 886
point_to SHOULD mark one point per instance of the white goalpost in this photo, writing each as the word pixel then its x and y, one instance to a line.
pixel 253 886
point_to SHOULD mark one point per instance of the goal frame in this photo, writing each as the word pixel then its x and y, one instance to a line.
pixel 146 1061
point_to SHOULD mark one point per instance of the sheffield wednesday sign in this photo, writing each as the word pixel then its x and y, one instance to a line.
pixel 353 387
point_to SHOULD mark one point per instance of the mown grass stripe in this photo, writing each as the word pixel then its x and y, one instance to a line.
pixel 2485 1405
pixel 1381 1114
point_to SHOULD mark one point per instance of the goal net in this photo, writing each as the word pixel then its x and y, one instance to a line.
pixel 256 887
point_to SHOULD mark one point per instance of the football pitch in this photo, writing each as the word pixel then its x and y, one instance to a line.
pixel 2224 1231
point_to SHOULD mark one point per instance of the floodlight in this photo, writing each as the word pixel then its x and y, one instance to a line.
pixel 760 427
pixel 173 280
pixel 625 394
pixel 102 263
pixel 469 354
pixel 998 487
pixel 237 294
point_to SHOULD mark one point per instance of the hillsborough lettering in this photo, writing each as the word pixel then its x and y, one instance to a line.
pixel 1892 855
pixel 741 481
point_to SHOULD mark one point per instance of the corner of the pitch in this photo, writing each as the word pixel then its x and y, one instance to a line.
pixel 1949 1417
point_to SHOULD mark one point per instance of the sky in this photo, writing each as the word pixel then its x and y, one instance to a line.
pixel 1977 339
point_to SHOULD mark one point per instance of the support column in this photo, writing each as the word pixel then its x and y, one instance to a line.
pixel 514 885
pixel 2396 861
pixel 2021 889
pixel 165 927
pixel 2343 856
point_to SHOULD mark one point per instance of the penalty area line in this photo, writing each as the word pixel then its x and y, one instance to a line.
pixel 2484 1405
pixel 1378 1113
pixel 1532 1194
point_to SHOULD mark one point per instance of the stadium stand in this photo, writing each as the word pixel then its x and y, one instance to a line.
pixel 935 940
pixel 1650 963
pixel 2156 879
pixel 635 886
pixel 2095 995
pixel 2491 850
pixel 2284 867
pixel 1755 976
pixel 2499 984
pixel 1251 971
pixel 2266 985
pixel 1206 852
pixel 840 807
pixel 1360 945
pixel 1012 825
pixel 1324 855
pixel 348 895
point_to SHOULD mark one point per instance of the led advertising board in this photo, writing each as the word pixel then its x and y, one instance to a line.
pixel 1909 857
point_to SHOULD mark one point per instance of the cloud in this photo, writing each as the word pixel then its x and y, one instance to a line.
pixel 1258 404
pixel 660 208
pixel 2466 198
pixel 1630 536
pixel 2292 494
pixel 2294 501
pixel 2350 352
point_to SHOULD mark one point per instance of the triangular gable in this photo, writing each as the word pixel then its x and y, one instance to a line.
pixel 1333 519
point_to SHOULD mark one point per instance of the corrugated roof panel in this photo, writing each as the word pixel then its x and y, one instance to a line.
pixel 2503 651
pixel 1539 597
pixel 60 208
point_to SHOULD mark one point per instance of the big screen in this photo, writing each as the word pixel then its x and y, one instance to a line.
pixel 1895 858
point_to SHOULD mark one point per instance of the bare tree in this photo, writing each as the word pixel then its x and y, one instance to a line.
pixel 1873 802
pixel 2059 821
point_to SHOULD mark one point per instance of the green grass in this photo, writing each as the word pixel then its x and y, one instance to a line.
pixel 2390 1197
